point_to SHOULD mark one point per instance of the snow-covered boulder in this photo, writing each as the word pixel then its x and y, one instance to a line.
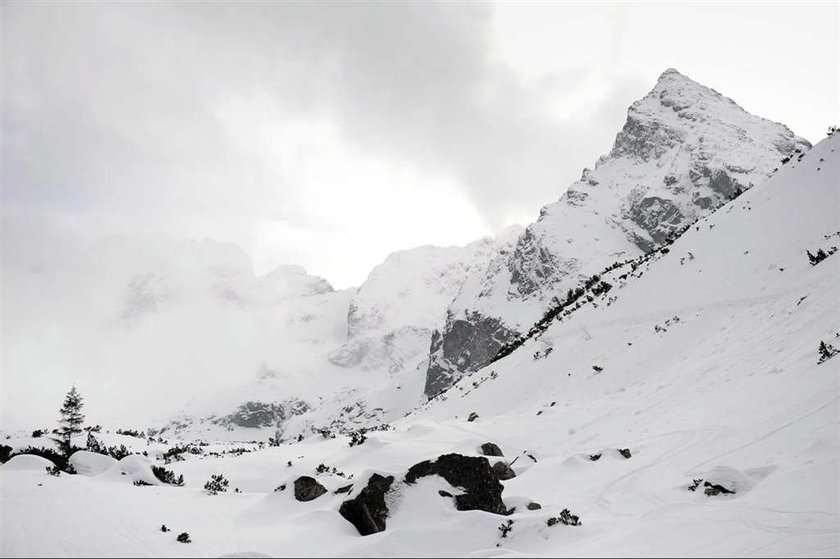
pixel 26 462
pixel 135 467
pixel 91 463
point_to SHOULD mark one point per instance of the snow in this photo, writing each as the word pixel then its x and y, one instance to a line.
pixel 731 393
pixel 91 463
pixel 709 358
pixel 26 463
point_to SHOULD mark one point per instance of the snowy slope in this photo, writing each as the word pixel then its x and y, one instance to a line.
pixel 709 371
pixel 684 150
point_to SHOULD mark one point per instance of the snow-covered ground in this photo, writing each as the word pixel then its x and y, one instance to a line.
pixel 708 370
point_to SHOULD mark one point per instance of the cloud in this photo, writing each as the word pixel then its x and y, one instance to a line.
pixel 208 119
pixel 299 130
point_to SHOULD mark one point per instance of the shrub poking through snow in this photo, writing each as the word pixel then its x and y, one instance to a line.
pixel 167 476
pixel 821 255
pixel 357 438
pixel 506 528
pixel 595 457
pixel 163 528
pixel 695 484
pixel 93 445
pixel 183 537
pixel 53 471
pixel 174 454
pixel 597 369
pixel 566 518
pixel 826 351
pixel 5 453
pixel 141 483
pixel 217 484
pixel 131 433
pixel 118 453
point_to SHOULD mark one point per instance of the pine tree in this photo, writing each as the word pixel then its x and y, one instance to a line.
pixel 71 420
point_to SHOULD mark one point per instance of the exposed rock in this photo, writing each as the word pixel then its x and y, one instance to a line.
pixel 533 506
pixel 443 493
pixel 713 489
pixel 503 471
pixel 344 489
pixel 659 217
pixel 625 452
pixel 368 510
pixel 472 474
pixel 473 416
pixel 468 345
pixel 254 414
pixel 490 449
pixel 307 489
pixel 595 457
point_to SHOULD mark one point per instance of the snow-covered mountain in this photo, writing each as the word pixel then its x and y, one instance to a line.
pixel 392 314
pixel 188 326
pixel 684 411
pixel 683 151
pixel 372 376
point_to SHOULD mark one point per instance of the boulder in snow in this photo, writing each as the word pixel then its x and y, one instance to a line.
pixel 503 471
pixel 308 489
pixel 89 463
pixel 368 510
pixel 472 474
pixel 491 449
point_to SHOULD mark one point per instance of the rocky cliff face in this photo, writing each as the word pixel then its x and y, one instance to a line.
pixel 392 315
pixel 683 151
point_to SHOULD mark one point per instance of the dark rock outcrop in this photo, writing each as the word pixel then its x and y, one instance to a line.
pixel 659 217
pixel 503 471
pixel 307 489
pixel 467 345
pixel 490 449
pixel 472 474
pixel 713 489
pixel 263 414
pixel 368 510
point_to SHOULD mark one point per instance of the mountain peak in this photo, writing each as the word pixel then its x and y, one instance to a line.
pixel 669 71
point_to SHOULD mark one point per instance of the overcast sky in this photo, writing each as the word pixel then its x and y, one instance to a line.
pixel 330 135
